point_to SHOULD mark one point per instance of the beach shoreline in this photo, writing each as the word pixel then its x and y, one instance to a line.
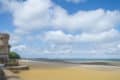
pixel 90 63
pixel 48 70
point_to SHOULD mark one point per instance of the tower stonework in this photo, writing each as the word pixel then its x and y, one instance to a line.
pixel 4 47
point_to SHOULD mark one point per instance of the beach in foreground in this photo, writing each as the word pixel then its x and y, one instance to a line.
pixel 62 71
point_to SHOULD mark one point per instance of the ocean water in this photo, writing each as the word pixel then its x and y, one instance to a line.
pixel 75 60
pixel 92 60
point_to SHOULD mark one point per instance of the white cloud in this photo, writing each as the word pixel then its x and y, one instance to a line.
pixel 118 46
pixel 106 36
pixel 61 37
pixel 18 48
pixel 57 36
pixel 90 21
pixel 14 39
pixel 87 33
pixel 44 14
pixel 33 15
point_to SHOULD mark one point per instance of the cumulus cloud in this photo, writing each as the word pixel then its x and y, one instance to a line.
pixel 61 37
pixel 58 37
pixel 18 48
pixel 43 14
pixel 87 33
pixel 90 21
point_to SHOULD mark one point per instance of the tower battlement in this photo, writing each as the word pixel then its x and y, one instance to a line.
pixel 4 47
pixel 4 39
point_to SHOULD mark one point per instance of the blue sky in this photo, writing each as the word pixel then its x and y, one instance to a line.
pixel 89 5
pixel 62 28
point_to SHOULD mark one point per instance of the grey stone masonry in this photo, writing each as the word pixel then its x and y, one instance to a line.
pixel 4 47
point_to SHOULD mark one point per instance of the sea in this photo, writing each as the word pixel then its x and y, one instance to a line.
pixel 74 60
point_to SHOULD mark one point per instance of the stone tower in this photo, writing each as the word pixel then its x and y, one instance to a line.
pixel 4 47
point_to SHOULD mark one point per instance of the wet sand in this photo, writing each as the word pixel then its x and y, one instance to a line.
pixel 62 71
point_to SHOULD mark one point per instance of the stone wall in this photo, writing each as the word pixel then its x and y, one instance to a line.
pixel 4 47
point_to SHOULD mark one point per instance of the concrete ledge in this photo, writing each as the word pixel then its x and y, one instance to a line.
pixel 21 67
pixel 11 76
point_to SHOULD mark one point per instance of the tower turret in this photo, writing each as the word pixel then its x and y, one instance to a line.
pixel 4 47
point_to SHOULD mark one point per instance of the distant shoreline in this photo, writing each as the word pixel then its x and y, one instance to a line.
pixel 67 62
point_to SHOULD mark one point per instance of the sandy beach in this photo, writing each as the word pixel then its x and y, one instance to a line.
pixel 62 71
